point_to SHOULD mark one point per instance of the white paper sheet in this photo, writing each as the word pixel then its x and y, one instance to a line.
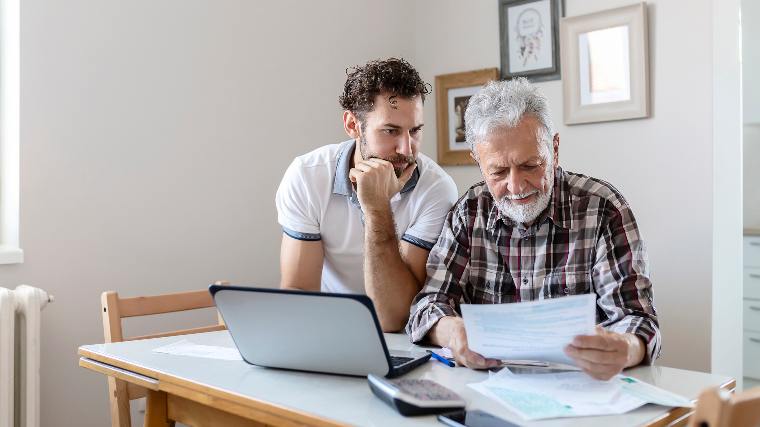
pixel 572 394
pixel 187 348
pixel 445 352
pixel 534 330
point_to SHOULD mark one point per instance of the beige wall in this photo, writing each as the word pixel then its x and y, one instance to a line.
pixel 662 164
pixel 154 135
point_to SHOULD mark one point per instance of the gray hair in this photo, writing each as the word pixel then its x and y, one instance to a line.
pixel 502 104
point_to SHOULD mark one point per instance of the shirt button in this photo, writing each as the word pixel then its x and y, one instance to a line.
pixel 525 281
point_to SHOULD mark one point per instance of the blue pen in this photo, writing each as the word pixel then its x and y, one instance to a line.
pixel 442 359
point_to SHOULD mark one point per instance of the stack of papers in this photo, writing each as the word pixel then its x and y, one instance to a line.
pixel 530 337
pixel 572 394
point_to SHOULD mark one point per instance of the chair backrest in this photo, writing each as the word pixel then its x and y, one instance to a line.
pixel 720 408
pixel 115 308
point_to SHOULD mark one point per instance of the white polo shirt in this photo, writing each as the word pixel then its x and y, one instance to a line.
pixel 316 201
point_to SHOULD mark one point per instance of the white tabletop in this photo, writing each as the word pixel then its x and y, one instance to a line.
pixel 349 399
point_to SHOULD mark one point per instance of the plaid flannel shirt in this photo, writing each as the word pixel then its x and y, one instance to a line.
pixel 586 241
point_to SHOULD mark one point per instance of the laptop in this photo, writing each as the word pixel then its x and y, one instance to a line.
pixel 310 331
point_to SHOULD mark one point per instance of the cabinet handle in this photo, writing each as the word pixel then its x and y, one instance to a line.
pixel 754 276
pixel 754 243
pixel 754 307
pixel 754 340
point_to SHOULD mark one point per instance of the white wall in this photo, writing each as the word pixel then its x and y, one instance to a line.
pixel 662 164
pixel 154 135
pixel 751 99
pixel 726 345
pixel 750 16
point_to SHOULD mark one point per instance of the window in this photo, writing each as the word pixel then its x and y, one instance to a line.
pixel 10 250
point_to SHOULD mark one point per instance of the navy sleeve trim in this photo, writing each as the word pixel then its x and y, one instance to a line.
pixel 417 242
pixel 302 236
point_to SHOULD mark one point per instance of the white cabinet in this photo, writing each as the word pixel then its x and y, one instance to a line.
pixel 752 251
pixel 751 283
pixel 752 316
pixel 752 354
pixel 752 306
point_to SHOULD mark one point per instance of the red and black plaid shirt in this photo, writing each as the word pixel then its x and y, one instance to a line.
pixel 586 241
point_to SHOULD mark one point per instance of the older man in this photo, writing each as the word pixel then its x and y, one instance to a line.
pixel 531 231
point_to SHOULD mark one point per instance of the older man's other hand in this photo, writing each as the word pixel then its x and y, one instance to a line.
pixel 457 342
pixel 605 354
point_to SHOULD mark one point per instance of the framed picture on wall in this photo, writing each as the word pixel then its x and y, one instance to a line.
pixel 605 58
pixel 529 39
pixel 452 94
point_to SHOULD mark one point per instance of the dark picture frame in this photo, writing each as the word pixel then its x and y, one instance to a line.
pixel 529 39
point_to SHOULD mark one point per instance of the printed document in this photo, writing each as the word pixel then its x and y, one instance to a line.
pixel 533 330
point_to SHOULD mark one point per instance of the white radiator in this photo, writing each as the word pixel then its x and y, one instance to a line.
pixel 20 312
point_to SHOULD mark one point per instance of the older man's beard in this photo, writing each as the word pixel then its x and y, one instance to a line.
pixel 525 214
pixel 398 158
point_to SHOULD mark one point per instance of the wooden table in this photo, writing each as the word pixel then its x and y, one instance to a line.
pixel 201 391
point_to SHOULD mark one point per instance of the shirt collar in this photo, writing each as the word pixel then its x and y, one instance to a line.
pixel 560 207
pixel 493 215
pixel 558 211
pixel 342 183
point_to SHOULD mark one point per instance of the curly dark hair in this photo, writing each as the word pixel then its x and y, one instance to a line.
pixel 392 75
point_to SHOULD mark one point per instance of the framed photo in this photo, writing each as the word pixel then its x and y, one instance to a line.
pixel 529 41
pixel 605 58
pixel 452 94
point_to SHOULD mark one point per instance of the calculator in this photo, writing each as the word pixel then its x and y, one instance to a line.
pixel 415 396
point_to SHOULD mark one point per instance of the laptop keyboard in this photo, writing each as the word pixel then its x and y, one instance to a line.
pixel 399 360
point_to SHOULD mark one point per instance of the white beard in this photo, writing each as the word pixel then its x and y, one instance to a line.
pixel 524 214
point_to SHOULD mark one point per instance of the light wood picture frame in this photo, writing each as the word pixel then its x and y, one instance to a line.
pixel 605 65
pixel 452 93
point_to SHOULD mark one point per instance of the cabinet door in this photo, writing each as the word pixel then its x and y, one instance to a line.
pixel 752 315
pixel 752 354
pixel 752 283
pixel 752 251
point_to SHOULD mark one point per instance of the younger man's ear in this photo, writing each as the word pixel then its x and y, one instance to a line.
pixel 351 124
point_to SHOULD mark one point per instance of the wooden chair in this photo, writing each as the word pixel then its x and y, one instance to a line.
pixel 115 308
pixel 720 408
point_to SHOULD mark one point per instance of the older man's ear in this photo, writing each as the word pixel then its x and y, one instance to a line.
pixel 555 145
pixel 472 155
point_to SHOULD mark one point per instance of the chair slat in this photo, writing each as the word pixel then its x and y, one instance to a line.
pixel 179 332
pixel 167 303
